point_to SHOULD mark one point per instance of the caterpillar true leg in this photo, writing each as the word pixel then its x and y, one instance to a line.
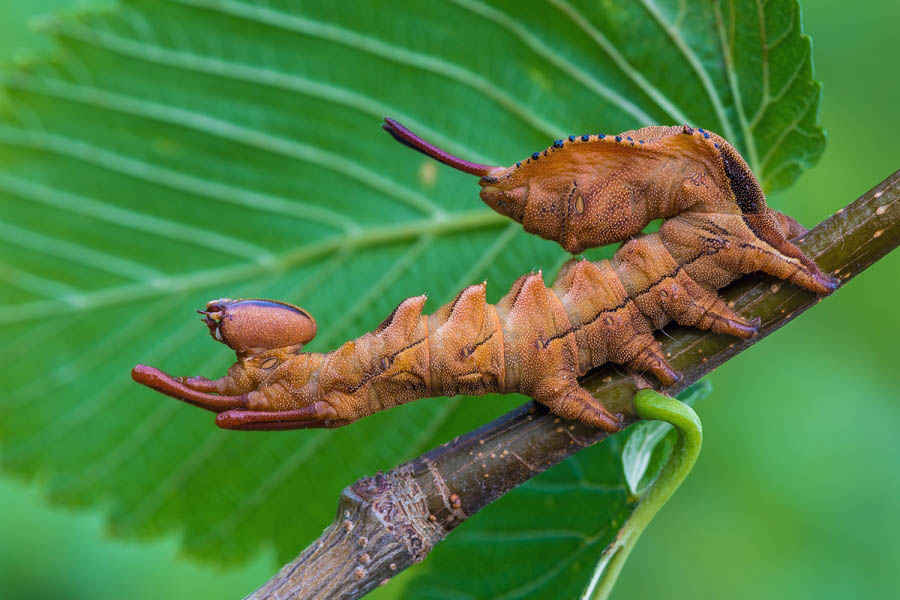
pixel 663 291
pixel 760 258
pixel 692 305
pixel 565 398
pixel 607 323
pixel 715 249
pixel 648 358
pixel 789 225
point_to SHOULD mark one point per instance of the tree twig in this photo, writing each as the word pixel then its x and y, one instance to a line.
pixel 389 521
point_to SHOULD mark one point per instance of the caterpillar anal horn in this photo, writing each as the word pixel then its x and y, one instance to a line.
pixel 408 138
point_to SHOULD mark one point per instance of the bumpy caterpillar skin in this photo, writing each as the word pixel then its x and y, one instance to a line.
pixel 591 190
pixel 535 340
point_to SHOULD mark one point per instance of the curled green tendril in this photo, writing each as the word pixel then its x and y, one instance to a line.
pixel 651 405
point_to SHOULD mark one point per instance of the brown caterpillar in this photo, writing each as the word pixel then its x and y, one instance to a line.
pixel 593 190
pixel 535 340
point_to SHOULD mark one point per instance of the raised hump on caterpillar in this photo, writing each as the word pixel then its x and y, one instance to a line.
pixel 591 190
pixel 535 340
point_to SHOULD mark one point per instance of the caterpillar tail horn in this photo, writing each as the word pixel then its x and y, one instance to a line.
pixel 408 138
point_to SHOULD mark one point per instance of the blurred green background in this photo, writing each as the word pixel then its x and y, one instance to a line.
pixel 796 492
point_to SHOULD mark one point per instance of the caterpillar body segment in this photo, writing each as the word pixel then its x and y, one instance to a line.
pixel 536 340
pixel 595 189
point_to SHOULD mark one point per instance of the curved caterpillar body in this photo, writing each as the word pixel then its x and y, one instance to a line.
pixel 535 340
pixel 591 190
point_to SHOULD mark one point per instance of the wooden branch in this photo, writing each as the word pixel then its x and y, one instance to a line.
pixel 389 521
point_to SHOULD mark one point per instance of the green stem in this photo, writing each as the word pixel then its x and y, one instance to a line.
pixel 651 405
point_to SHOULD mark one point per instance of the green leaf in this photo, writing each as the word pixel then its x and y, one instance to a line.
pixel 170 152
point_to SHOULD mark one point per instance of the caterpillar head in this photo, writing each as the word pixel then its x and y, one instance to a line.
pixel 506 195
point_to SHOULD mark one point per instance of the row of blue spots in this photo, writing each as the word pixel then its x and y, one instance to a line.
pixel 700 130
pixel 584 138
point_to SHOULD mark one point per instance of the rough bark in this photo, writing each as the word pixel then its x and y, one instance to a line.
pixel 387 522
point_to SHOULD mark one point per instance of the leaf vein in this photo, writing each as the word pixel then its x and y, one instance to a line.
pixel 139 169
pixel 454 223
pixel 619 59
pixel 695 64
pixel 541 49
pixel 76 253
pixel 89 207
pixel 186 61
pixel 731 74
pixel 242 135
pixel 345 37
pixel 35 284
